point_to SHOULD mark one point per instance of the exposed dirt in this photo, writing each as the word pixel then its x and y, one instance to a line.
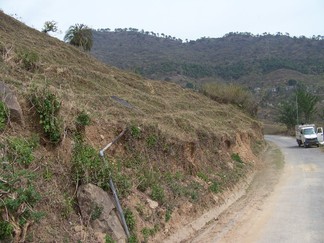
pixel 222 224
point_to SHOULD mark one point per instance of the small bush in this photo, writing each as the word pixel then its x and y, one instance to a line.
pixel 29 60
pixel 237 158
pixel 96 212
pixel 18 182
pixel 232 94
pixel 146 178
pixel 109 239
pixel 148 232
pixel 83 119
pixel 158 193
pixel 47 106
pixel 215 187
pixel 123 183
pixel 130 220
pixel 168 214
pixel 203 176
pixel 88 167
pixel 3 115
pixel 21 150
pixel 6 230
pixel 151 141
pixel 135 131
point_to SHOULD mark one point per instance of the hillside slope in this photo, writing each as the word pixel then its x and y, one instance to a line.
pixel 180 148
pixel 264 63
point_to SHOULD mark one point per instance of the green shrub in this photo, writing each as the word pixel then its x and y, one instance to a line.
pixel 47 106
pixel 132 239
pixel 203 176
pixel 96 212
pixel 6 230
pixel 232 94
pixel 215 187
pixel 109 239
pixel 135 131
pixel 83 119
pixel 130 220
pixel 21 150
pixel 18 182
pixel 123 183
pixel 3 115
pixel 168 214
pixel 151 141
pixel 88 166
pixel 28 60
pixel 237 158
pixel 158 193
pixel 146 178
pixel 148 232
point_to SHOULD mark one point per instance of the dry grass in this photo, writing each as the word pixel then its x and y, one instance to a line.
pixel 193 132
pixel 231 94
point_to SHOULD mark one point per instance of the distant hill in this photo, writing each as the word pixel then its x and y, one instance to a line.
pixel 265 63
pixel 230 57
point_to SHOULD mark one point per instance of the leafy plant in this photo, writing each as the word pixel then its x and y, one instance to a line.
pixel 21 195
pixel 47 106
pixel 49 26
pixel 148 232
pixel 158 193
pixel 88 167
pixel 215 187
pixel 109 239
pixel 21 150
pixel 130 220
pixel 147 178
pixel 135 131
pixel 83 119
pixel 168 214
pixel 236 157
pixel 3 115
pixel 203 176
pixel 79 35
pixel 233 94
pixel 67 206
pixel 123 183
pixel 6 230
pixel 96 212
pixel 28 59
pixel 151 140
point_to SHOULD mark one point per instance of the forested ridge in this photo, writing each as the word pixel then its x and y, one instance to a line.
pixel 231 57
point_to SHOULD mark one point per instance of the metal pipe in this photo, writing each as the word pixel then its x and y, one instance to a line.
pixel 112 186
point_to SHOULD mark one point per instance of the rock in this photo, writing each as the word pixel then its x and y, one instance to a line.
pixel 152 204
pixel 7 96
pixel 98 209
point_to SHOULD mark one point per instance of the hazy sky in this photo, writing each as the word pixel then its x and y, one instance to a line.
pixel 185 19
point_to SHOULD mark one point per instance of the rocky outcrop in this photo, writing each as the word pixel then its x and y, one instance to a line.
pixel 7 96
pixel 98 211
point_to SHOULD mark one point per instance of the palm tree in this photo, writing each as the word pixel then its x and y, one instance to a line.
pixel 79 35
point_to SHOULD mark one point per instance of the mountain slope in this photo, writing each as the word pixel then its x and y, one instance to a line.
pixel 265 64
pixel 180 148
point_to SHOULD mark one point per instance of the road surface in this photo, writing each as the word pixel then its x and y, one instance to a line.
pixel 282 205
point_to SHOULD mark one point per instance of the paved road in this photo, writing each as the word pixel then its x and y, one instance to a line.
pixel 296 208
pixel 291 209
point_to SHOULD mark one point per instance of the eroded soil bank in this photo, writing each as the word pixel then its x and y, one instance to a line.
pixel 220 224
